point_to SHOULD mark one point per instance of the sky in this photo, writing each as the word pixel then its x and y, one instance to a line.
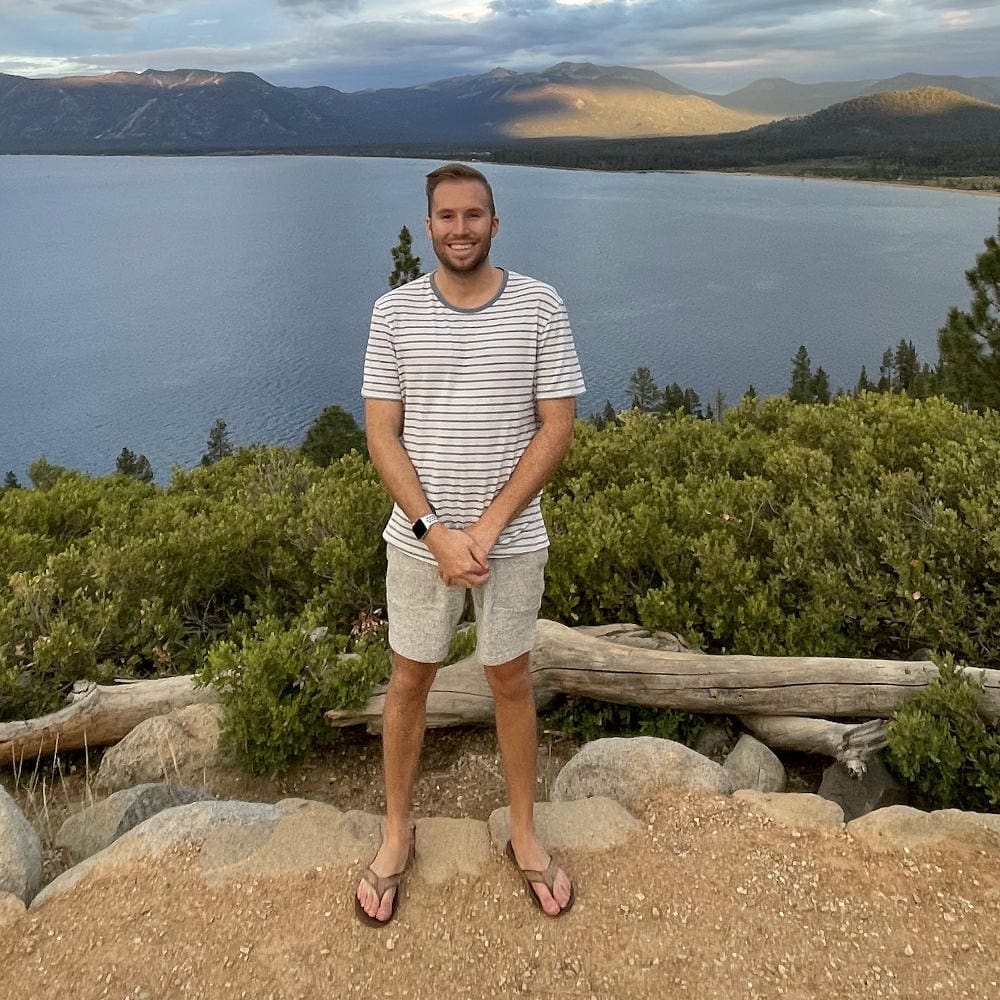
pixel 713 46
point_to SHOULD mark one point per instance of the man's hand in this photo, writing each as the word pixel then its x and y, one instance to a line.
pixel 460 558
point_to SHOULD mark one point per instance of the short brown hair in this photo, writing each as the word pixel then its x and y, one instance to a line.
pixel 456 172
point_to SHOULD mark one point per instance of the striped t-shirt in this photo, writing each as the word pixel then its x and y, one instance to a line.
pixel 468 380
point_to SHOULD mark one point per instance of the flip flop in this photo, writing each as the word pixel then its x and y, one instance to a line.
pixel 547 878
pixel 381 884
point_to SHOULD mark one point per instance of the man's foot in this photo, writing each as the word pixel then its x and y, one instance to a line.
pixel 548 885
pixel 376 899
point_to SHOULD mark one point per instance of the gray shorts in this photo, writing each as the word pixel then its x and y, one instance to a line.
pixel 424 612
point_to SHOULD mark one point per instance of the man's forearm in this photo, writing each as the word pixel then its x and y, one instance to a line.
pixel 398 474
pixel 534 469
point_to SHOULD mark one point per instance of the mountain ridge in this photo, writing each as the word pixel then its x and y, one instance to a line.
pixel 194 110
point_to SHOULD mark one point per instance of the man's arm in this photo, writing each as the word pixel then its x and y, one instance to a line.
pixel 534 469
pixel 460 558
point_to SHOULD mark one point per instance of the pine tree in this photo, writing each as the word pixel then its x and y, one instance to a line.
pixel 692 404
pixel 134 466
pixel 332 435
pixel 405 267
pixel 10 481
pixel 672 399
pixel 643 392
pixel 218 445
pixel 907 367
pixel 864 383
pixel 887 373
pixel 969 343
pixel 820 388
pixel 801 388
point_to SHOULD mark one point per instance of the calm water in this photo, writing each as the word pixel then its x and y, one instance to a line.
pixel 142 298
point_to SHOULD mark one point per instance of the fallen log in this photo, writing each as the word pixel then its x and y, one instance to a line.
pixel 566 661
pixel 98 715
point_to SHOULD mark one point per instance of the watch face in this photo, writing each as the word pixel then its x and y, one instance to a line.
pixel 419 528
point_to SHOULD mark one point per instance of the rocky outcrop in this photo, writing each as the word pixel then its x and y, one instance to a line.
pixel 20 851
pixel 630 771
pixel 754 765
pixel 875 789
pixel 182 747
pixel 91 830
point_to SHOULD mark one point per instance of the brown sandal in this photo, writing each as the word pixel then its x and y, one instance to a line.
pixel 381 884
pixel 546 878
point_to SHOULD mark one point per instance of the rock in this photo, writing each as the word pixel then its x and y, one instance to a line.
pixel 875 789
pixel 92 829
pixel 232 831
pixel 630 771
pixel 20 851
pixel 451 848
pixel 798 810
pixel 753 765
pixel 12 908
pixel 179 748
pixel 593 824
pixel 896 828
pixel 716 740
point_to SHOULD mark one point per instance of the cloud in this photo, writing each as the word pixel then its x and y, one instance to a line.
pixel 318 8
pixel 102 15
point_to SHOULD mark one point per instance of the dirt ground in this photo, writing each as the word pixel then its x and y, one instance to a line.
pixel 711 901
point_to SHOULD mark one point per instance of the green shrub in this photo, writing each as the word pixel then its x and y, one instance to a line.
pixel 942 747
pixel 587 719
pixel 275 685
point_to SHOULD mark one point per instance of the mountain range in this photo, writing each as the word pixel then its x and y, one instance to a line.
pixel 192 111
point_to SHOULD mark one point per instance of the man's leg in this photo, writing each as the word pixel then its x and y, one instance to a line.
pixel 404 718
pixel 517 734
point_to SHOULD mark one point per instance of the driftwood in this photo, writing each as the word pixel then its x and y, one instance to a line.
pixel 567 662
pixel 98 715
pixel 785 701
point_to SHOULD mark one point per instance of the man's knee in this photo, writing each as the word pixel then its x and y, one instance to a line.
pixel 511 681
pixel 410 678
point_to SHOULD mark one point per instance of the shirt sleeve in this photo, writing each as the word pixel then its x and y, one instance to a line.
pixel 558 369
pixel 381 374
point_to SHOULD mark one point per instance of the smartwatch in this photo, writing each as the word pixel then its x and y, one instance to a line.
pixel 424 524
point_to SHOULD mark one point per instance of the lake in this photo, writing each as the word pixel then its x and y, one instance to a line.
pixel 144 297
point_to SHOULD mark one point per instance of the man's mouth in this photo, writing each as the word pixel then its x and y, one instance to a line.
pixel 461 247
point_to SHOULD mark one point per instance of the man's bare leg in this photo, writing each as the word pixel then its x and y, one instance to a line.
pixel 517 734
pixel 404 717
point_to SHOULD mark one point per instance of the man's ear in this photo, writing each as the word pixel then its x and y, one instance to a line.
pixel 495 226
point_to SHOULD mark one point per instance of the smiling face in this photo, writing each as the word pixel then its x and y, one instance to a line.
pixel 461 225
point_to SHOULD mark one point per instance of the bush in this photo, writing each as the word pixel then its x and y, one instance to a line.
pixel 275 685
pixel 587 719
pixel 941 746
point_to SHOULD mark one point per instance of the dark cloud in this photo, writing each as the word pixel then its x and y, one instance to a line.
pixel 317 8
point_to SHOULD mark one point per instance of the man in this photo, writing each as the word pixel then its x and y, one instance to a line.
pixel 469 386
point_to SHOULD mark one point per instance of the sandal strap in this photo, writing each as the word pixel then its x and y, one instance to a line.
pixel 546 878
pixel 381 884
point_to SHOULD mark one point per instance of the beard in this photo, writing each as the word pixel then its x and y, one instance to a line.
pixel 466 265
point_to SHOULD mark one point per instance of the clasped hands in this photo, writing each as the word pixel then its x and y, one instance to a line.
pixel 462 555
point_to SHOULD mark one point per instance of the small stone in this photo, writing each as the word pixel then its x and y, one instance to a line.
pixel 908 951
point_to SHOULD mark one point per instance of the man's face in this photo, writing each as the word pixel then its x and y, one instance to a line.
pixel 461 226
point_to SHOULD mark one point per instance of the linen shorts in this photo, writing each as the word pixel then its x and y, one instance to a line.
pixel 424 612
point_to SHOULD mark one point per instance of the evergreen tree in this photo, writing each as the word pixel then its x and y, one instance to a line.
pixel 969 343
pixel 643 392
pixel 218 445
pixel 135 466
pixel 751 392
pixel 332 435
pixel 10 481
pixel 672 399
pixel 820 388
pixel 692 404
pixel 43 473
pixel 887 373
pixel 865 384
pixel 907 367
pixel 801 388
pixel 405 267
pixel 720 404
pixel 605 416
